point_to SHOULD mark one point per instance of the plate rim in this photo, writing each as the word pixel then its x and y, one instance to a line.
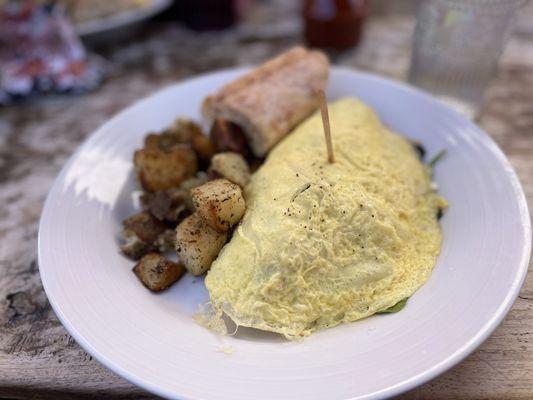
pixel 453 359
pixel 121 19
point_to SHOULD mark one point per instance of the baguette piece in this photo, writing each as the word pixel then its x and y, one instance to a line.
pixel 270 100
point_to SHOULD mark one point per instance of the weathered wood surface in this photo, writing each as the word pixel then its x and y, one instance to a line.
pixel 38 359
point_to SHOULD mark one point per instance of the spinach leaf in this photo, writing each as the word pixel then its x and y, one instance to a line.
pixel 395 308
pixel 437 158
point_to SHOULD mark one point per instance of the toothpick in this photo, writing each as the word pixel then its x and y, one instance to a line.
pixel 325 122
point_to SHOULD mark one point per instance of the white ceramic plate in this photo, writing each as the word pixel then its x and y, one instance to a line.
pixel 122 19
pixel 152 341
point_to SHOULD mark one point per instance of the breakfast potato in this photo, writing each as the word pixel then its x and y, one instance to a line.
pixel 166 241
pixel 166 205
pixel 231 166
pixel 133 247
pixel 151 141
pixel 140 233
pixel 160 170
pixel 145 226
pixel 156 272
pixel 219 203
pixel 183 130
pixel 189 184
pixel 197 244
pixel 204 147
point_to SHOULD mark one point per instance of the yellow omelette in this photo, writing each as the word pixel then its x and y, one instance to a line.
pixel 321 244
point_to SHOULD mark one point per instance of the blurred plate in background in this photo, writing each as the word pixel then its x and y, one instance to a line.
pixel 120 25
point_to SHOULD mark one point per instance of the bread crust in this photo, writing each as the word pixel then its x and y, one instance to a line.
pixel 270 100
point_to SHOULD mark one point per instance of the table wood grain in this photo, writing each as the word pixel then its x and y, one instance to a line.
pixel 39 359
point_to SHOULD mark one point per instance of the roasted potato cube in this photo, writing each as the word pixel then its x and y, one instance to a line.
pixel 159 204
pixel 145 226
pixel 133 247
pixel 231 166
pixel 156 272
pixel 151 141
pixel 204 147
pixel 184 130
pixel 160 170
pixel 166 241
pixel 187 185
pixel 168 205
pixel 197 244
pixel 219 203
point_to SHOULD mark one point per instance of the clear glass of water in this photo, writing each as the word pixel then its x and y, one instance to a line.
pixel 456 47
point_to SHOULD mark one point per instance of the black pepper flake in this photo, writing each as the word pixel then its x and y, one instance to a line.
pixel 297 174
pixel 372 215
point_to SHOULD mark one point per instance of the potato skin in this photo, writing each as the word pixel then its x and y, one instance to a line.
pixel 231 166
pixel 161 170
pixel 197 244
pixel 156 272
pixel 220 203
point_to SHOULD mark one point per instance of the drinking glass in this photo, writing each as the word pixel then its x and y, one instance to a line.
pixel 456 47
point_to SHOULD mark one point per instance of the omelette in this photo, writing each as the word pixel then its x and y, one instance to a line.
pixel 321 244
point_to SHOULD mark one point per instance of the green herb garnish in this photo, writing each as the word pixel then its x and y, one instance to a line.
pixel 395 308
pixel 437 158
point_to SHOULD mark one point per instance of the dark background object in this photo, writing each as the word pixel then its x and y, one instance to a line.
pixel 207 15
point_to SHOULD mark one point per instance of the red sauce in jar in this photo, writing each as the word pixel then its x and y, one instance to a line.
pixel 334 24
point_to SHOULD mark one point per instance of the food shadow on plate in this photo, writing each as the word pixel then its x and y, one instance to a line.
pixel 252 334
pixel 189 294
